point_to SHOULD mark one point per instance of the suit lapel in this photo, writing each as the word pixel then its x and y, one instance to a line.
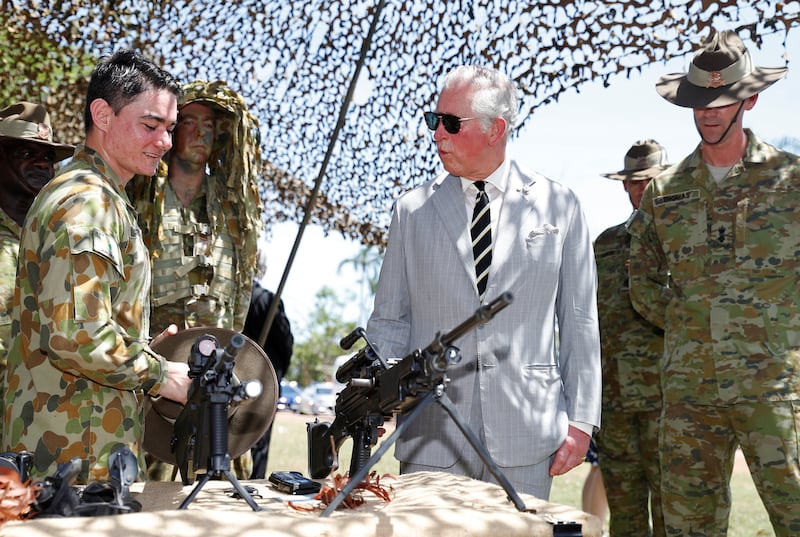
pixel 448 199
pixel 517 205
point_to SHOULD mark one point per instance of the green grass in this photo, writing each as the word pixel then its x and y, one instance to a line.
pixel 748 516
pixel 288 451
pixel 288 448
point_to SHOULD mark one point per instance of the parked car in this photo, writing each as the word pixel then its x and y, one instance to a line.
pixel 318 398
pixel 289 398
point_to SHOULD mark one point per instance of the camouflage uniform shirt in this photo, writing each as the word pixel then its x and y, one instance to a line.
pixel 631 346
pixel 193 259
pixel 79 361
pixel 9 248
pixel 718 267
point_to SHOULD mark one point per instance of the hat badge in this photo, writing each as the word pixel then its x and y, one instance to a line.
pixel 44 131
pixel 715 80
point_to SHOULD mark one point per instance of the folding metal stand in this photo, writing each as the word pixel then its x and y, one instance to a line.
pixel 437 395
pixel 219 461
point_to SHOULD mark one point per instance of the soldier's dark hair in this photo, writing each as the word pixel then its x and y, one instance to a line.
pixel 120 78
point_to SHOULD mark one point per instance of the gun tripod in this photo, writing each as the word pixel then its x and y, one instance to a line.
pixel 219 461
pixel 439 396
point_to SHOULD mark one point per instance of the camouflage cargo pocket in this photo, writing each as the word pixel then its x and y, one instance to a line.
pixel 768 234
pixel 93 255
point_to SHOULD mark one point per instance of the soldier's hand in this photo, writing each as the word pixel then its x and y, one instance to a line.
pixel 171 330
pixel 178 382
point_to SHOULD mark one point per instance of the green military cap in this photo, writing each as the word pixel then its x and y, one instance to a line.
pixel 30 122
pixel 720 74
pixel 644 160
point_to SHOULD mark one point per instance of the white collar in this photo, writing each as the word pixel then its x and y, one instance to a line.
pixel 498 178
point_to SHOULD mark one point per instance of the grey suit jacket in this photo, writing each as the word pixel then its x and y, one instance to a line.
pixel 530 384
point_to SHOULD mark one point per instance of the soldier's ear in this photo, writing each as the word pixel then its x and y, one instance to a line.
pixel 101 113
pixel 750 102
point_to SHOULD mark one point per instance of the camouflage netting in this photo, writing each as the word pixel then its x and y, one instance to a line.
pixel 293 61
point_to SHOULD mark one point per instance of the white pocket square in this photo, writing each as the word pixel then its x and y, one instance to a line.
pixel 547 229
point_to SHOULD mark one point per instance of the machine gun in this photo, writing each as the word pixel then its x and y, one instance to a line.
pixel 377 389
pixel 200 439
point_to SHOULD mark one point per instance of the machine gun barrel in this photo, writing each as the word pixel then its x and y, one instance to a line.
pixel 376 390
pixel 482 315
pixel 228 355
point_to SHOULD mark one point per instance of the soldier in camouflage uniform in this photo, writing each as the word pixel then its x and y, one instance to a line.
pixel 27 161
pixel 201 217
pixel 714 260
pixel 201 214
pixel 80 364
pixel 631 351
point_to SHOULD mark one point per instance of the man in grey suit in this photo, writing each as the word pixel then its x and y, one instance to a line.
pixel 531 396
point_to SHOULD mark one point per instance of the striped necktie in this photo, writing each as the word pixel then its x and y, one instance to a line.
pixel 481 233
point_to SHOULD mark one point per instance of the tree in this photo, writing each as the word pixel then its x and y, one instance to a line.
pixel 788 143
pixel 367 263
pixel 313 358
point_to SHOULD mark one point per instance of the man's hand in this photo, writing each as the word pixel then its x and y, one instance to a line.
pixel 171 330
pixel 571 453
pixel 177 385
pixel 178 382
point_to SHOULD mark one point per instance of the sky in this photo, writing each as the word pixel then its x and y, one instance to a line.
pixel 572 141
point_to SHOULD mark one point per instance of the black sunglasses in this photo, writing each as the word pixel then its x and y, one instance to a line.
pixel 451 123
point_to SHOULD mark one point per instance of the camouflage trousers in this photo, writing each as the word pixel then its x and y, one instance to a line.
pixel 629 462
pixel 157 470
pixel 698 445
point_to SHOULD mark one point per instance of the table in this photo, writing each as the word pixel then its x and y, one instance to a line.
pixel 424 503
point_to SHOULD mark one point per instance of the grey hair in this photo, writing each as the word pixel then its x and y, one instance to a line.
pixel 494 93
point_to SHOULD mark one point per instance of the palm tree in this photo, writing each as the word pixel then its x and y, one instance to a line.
pixel 366 262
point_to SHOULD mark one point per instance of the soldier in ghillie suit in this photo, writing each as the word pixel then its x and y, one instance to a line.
pixel 201 215
pixel 80 364
pixel 714 260
pixel 631 349
pixel 201 218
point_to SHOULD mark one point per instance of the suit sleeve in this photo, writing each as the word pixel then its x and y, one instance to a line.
pixel 389 326
pixel 576 307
